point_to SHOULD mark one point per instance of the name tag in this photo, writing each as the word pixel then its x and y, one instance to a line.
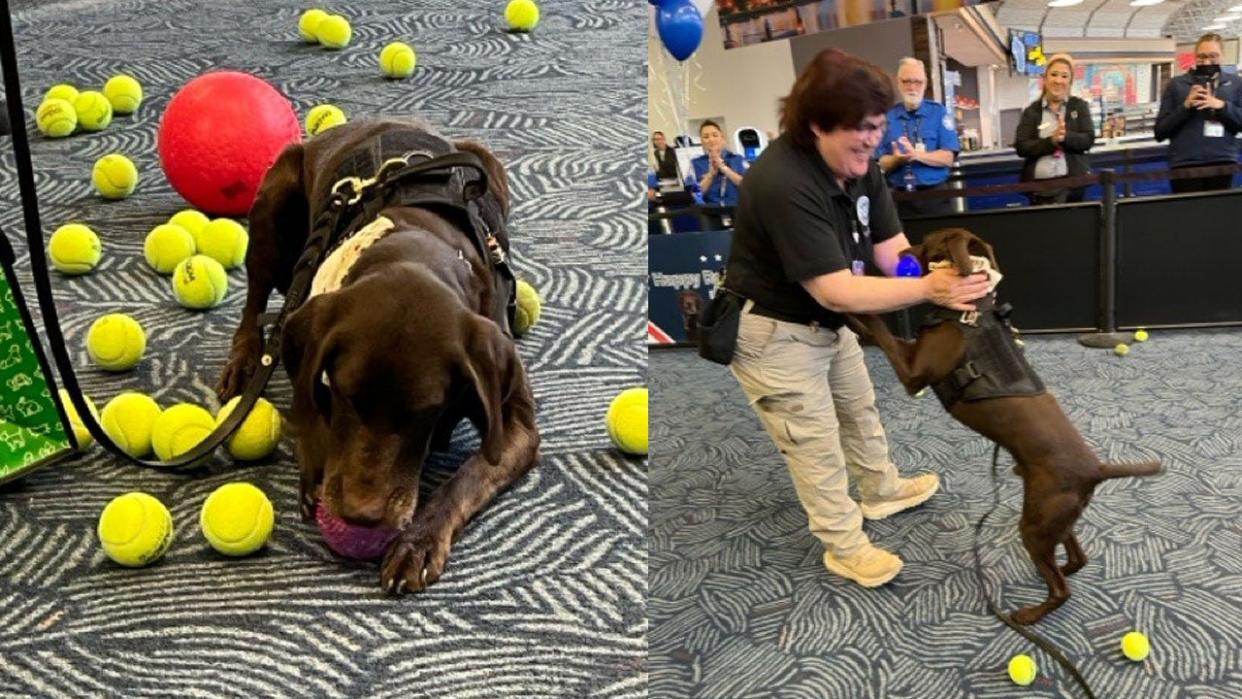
pixel 1213 129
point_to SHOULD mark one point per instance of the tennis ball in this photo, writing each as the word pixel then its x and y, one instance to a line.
pixel 1122 349
pixel 116 342
pixel 123 93
pixel 398 60
pixel 135 529
pixel 237 519
pixel 522 15
pixel 80 432
pixel 259 432
pixel 56 118
pixel 179 429
pixel 528 308
pixel 223 240
pixel 115 176
pixel 1022 670
pixel 324 117
pixel 1140 335
pixel 74 249
pixel 1135 646
pixel 191 220
pixel 309 22
pixel 334 32
pixel 63 91
pixel 627 421
pixel 199 282
pixel 166 246
pixel 94 110
pixel 127 420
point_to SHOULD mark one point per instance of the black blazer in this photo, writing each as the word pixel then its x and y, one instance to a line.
pixel 1079 137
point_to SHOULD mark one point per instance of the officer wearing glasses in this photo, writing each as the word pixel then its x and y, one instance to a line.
pixel 920 143
pixel 1200 116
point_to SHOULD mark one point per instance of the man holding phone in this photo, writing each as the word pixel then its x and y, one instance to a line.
pixel 1201 115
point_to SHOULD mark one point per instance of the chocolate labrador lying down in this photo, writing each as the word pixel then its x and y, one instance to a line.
pixel 978 372
pixel 392 350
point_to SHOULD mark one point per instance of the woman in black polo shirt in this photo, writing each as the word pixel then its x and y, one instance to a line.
pixel 814 214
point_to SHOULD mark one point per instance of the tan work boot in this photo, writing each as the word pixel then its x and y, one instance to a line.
pixel 912 492
pixel 868 566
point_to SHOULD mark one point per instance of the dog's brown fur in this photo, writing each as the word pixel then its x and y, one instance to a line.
pixel 1059 471
pixel 383 369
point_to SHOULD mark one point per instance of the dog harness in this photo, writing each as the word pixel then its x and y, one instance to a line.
pixel 993 365
pixel 398 168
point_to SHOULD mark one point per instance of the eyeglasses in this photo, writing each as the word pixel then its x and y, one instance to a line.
pixel 912 81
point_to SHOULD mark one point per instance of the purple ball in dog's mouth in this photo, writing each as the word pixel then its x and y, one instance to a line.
pixel 352 541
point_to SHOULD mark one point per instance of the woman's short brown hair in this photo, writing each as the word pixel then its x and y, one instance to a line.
pixel 835 90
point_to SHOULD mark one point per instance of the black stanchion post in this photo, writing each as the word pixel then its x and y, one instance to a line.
pixel 1106 335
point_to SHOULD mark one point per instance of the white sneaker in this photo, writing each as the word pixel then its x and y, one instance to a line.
pixel 913 492
pixel 869 566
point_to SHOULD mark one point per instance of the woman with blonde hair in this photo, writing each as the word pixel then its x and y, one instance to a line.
pixel 1055 133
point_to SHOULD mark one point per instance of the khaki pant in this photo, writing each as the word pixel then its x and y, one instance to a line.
pixel 812 392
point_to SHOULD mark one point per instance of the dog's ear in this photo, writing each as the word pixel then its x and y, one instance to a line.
pixel 281 202
pixel 497 179
pixel 302 356
pixel 493 367
pixel 959 250
pixel 987 252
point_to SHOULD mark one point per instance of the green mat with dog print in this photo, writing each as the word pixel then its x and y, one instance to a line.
pixel 33 429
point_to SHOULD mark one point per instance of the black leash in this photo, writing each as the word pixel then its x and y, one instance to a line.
pixel 1026 633
pixel 347 199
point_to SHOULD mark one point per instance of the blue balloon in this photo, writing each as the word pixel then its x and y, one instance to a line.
pixel 680 26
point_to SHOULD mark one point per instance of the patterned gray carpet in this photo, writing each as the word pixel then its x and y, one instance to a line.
pixel 545 592
pixel 741 606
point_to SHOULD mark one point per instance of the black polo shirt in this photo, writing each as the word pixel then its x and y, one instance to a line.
pixel 793 223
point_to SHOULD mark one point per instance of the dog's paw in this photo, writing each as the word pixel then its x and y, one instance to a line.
pixel 414 561
pixel 243 362
pixel 235 376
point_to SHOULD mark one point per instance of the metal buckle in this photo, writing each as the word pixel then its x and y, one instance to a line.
pixel 970 317
pixel 493 246
pixel 356 185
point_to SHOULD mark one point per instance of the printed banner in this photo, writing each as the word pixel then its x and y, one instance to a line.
pixel 683 271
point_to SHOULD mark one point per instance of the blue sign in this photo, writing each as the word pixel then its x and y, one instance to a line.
pixel 683 271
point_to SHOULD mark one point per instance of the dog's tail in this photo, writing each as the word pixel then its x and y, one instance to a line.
pixel 1146 468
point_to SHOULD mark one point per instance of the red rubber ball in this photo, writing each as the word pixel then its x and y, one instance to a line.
pixel 218 137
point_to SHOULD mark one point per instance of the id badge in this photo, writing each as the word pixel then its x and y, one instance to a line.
pixel 1213 129
pixel 858 268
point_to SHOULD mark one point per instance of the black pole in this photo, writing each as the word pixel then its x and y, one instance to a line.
pixel 1106 335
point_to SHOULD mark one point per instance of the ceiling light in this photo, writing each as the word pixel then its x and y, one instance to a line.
pixel 1064 3
pixel 1213 27
pixel 1144 3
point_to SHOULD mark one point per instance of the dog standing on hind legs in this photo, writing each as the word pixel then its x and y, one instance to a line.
pixel 976 368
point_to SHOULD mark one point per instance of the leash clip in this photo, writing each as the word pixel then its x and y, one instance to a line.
pixel 970 318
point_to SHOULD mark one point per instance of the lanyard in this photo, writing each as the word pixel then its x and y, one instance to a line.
pixel 918 128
